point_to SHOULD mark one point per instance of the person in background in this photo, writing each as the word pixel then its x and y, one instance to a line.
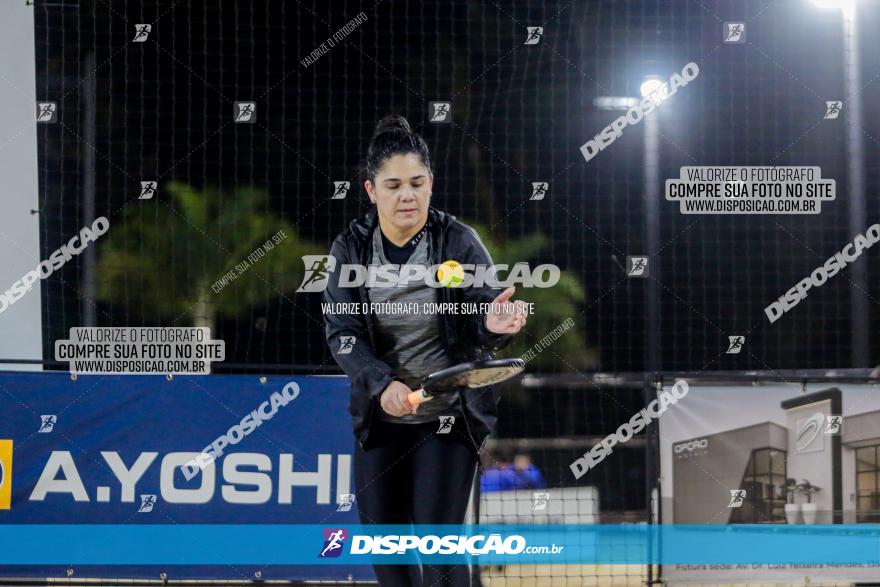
pixel 501 473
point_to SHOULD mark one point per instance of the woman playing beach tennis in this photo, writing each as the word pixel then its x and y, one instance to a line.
pixel 414 463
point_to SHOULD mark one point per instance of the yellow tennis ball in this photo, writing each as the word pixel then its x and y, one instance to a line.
pixel 450 274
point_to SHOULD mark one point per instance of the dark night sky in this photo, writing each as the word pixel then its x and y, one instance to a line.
pixel 520 114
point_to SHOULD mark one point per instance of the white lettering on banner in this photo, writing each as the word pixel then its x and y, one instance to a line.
pixel 240 483
pixel 128 478
pixel 288 478
pixel 201 494
pixel 261 481
pixel 59 460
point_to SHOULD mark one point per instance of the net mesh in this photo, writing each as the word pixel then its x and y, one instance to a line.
pixel 164 113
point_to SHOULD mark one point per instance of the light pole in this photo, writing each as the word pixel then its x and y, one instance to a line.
pixel 855 158
pixel 651 180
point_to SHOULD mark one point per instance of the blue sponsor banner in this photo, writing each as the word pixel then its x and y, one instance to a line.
pixel 351 546
pixel 103 455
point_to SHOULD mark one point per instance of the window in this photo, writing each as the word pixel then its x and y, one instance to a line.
pixel 763 481
pixel 867 487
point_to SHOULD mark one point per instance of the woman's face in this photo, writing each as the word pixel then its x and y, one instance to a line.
pixel 402 192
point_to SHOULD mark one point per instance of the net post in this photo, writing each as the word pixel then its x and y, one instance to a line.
pixel 652 388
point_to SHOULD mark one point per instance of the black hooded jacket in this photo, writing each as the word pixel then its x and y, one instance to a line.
pixel 465 336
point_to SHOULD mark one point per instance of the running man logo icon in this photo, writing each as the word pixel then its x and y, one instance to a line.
pixel 148 190
pixel 5 474
pixel 735 344
pixel 345 502
pixel 539 190
pixel 834 425
pixel 47 111
pixel 318 267
pixel 47 423
pixel 440 112
pixel 446 423
pixel 340 190
pixel 734 32
pixel 142 31
pixel 636 266
pixel 148 500
pixel 346 345
pixel 540 503
pixel 245 112
pixel 737 497
pixel 534 35
pixel 334 539
pixel 832 109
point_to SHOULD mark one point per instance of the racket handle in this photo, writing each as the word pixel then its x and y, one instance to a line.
pixel 419 397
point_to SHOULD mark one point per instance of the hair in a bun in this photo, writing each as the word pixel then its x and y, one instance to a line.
pixel 392 123
pixel 393 136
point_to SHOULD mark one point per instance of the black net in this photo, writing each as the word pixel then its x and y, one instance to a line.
pixel 522 104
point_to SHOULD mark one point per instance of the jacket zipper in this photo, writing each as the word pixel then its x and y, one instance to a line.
pixel 446 297
pixel 365 300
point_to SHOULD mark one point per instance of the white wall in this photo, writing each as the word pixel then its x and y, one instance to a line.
pixel 20 323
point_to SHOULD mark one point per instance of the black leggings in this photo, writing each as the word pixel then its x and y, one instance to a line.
pixel 412 475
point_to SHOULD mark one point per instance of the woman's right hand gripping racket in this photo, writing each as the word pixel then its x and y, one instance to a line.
pixel 466 376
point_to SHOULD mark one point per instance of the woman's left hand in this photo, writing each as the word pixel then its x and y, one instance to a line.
pixel 506 317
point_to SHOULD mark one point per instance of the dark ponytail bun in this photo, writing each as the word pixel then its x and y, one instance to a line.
pixel 393 136
pixel 392 123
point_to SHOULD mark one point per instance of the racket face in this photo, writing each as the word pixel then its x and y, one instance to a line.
pixel 473 375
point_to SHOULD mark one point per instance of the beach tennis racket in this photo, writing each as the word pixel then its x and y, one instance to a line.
pixel 466 376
